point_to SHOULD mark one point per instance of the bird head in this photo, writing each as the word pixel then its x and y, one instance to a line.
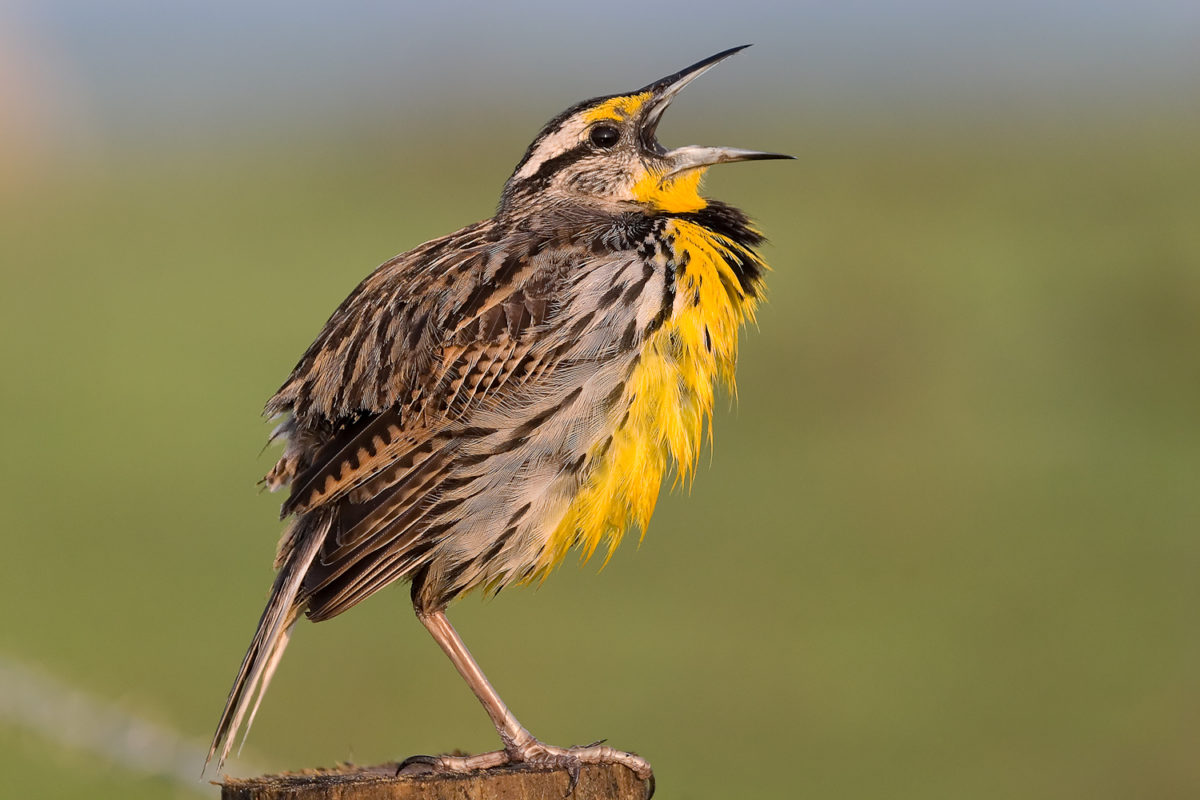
pixel 605 152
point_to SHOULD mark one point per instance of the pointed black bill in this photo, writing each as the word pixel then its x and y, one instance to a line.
pixel 664 91
pixel 678 80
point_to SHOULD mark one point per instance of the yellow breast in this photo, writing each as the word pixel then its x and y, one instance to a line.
pixel 669 396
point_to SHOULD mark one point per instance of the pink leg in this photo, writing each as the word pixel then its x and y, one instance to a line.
pixel 520 746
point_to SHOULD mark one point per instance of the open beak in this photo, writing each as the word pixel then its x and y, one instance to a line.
pixel 690 157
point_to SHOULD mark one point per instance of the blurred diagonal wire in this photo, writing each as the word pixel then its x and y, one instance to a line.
pixel 72 718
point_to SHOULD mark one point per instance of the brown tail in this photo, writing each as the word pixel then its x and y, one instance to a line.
pixel 274 628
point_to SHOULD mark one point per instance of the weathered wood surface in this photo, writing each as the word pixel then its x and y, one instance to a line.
pixel 348 782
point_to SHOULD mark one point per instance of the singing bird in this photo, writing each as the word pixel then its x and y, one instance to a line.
pixel 485 402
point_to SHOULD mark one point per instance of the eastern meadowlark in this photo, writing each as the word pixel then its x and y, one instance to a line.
pixel 487 401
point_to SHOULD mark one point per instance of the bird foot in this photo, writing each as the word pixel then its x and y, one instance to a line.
pixel 536 754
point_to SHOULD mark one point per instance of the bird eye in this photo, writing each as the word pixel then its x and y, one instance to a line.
pixel 604 136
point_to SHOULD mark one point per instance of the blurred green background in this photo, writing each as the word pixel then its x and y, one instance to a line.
pixel 946 546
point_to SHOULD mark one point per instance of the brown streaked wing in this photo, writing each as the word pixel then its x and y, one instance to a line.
pixel 357 453
pixel 385 338
pixel 384 514
pixel 400 437
pixel 383 471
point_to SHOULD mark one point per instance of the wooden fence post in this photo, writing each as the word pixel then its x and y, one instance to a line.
pixel 348 782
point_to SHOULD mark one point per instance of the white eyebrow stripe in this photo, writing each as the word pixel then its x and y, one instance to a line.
pixel 567 136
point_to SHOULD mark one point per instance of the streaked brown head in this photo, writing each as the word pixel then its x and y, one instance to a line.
pixel 605 151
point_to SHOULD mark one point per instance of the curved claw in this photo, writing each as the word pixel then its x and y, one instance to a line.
pixel 574 768
pixel 430 764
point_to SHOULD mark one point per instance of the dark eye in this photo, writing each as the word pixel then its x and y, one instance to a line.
pixel 604 136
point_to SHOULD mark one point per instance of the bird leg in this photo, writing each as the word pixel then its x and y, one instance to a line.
pixel 520 746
